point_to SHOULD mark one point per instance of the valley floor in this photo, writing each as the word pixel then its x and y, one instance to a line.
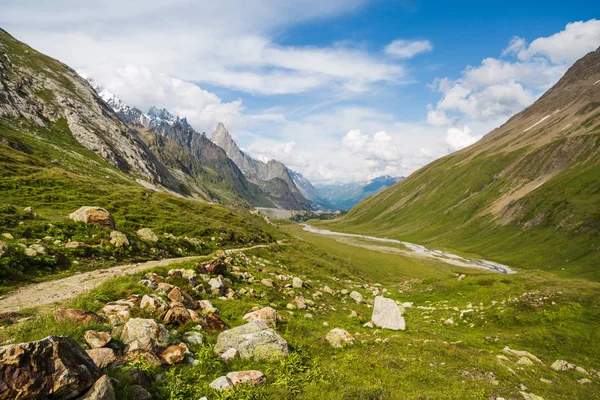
pixel 458 343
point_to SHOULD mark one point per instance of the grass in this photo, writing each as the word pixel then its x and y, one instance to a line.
pixel 446 206
pixel 430 360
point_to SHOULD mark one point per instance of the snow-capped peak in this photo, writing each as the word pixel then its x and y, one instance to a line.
pixel 113 101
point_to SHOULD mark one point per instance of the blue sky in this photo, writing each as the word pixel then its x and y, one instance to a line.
pixel 339 90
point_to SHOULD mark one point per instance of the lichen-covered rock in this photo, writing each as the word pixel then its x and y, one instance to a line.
pixel 118 239
pixel 102 357
pixel 253 340
pixel 96 339
pixel 153 303
pixel 102 390
pixel 140 328
pixel 117 312
pixel 387 314
pixel 338 338
pixel 93 215
pixel 147 234
pixel 55 367
pixel 266 314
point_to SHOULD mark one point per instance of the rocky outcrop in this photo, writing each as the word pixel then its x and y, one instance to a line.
pixel 387 314
pixel 273 177
pixel 55 367
pixel 253 340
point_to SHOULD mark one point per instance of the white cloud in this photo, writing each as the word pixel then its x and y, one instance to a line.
pixel 566 46
pixel 458 138
pixel 401 48
pixel 500 87
pixel 141 87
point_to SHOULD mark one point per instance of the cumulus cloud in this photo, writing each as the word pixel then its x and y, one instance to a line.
pixel 500 87
pixel 460 137
pixel 378 147
pixel 141 87
pixel 408 48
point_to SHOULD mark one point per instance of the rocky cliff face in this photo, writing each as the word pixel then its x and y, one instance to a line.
pixel 286 195
pixel 43 90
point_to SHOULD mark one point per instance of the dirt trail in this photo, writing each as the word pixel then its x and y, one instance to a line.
pixel 55 291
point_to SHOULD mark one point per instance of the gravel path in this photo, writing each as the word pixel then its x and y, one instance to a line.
pixel 55 291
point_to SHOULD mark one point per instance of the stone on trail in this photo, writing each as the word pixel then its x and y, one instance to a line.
pixel 96 339
pixel 266 314
pixel 102 390
pixel 338 338
pixel 102 357
pixel 387 314
pixel 140 328
pixel 93 215
pixel 55 366
pixel 253 340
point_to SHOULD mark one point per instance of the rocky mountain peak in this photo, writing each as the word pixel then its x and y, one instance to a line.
pixel 162 115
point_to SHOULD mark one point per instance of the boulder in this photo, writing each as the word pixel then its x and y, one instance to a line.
pixel 147 235
pixel 138 392
pixel 253 340
pixel 297 283
pixel 213 323
pixel 179 296
pixel 153 303
pixel 117 312
pixel 55 367
pixel 102 357
pixel 252 377
pixel 94 215
pixel 387 314
pixel 35 250
pixel 140 328
pixel 177 315
pixel 338 338
pixel 96 339
pixel 144 345
pixel 78 316
pixel 118 239
pixel 102 390
pixel 266 314
pixel 267 282
pixel 221 384
pixel 174 354
pixel 357 297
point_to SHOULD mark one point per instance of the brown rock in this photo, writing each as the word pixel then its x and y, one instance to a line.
pixel 213 323
pixel 163 288
pixel 174 354
pixel 79 316
pixel 54 367
pixel 94 215
pixel 179 296
pixel 266 314
pixel 102 390
pixel 246 378
pixel 102 357
pixel 177 315
pixel 215 267
pixel 153 303
pixel 117 312
pixel 96 339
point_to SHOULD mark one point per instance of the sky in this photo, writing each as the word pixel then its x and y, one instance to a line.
pixel 339 90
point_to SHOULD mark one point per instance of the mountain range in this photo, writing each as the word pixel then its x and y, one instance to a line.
pixel 528 193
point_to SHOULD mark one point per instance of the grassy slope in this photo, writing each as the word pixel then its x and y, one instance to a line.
pixel 55 175
pixel 445 205
pixel 430 360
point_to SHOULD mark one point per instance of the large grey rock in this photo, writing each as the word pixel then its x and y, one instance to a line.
pixel 253 340
pixel 387 314
pixel 266 314
pixel 55 367
pixel 140 328
pixel 102 390
pixel 93 215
